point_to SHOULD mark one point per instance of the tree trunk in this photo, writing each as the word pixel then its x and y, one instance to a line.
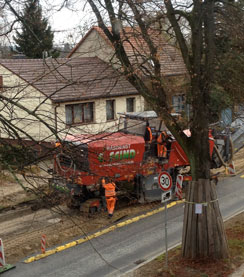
pixel 203 233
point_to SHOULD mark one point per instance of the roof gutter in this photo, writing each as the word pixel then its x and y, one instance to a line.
pixel 93 98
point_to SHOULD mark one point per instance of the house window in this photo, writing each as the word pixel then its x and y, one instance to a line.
pixel 79 113
pixel 130 104
pixel 110 109
pixel 178 102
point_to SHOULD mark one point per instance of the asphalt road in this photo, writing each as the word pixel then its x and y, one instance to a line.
pixel 123 249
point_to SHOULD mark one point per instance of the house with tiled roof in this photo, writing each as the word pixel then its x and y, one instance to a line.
pixel 81 95
pixel 95 43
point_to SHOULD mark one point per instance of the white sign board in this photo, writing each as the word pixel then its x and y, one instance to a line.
pixel 198 208
pixel 166 196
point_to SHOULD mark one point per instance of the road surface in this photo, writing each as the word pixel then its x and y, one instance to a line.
pixel 118 252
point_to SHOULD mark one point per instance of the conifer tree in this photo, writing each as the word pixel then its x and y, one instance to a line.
pixel 36 35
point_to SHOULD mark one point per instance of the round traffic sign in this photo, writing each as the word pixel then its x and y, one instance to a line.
pixel 165 181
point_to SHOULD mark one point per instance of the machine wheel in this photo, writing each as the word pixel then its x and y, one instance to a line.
pixel 73 203
pixel 91 206
pixel 138 188
pixel 93 210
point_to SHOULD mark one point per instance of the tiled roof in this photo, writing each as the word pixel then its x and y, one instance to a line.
pixel 71 79
pixel 138 51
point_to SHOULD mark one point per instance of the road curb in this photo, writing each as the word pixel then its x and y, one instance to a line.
pixel 235 214
pixel 99 233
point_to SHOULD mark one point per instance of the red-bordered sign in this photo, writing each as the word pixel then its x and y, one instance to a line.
pixel 165 181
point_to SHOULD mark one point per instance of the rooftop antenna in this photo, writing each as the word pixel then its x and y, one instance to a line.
pixel 44 55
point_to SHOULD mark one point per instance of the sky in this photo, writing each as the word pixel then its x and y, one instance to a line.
pixel 68 23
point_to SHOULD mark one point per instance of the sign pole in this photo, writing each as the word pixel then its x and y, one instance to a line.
pixel 166 234
pixel 165 183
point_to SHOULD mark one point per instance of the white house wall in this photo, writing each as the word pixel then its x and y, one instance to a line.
pixel 100 124
pixel 94 45
pixel 31 99
pixel 22 94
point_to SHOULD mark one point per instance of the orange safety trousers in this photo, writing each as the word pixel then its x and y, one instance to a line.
pixel 110 195
pixel 111 204
pixel 150 134
pixel 162 151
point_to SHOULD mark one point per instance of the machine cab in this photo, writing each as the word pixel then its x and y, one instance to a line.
pixel 146 124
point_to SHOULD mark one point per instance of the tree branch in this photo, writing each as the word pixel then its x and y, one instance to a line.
pixel 179 36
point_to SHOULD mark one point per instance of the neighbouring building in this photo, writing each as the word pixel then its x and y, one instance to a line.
pixel 45 98
pixel 95 43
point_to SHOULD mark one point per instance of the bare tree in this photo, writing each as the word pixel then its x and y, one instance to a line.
pixel 203 234
pixel 230 49
pixel 190 26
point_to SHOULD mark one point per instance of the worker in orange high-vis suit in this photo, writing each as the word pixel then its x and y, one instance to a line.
pixel 148 134
pixel 57 144
pixel 161 145
pixel 110 196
